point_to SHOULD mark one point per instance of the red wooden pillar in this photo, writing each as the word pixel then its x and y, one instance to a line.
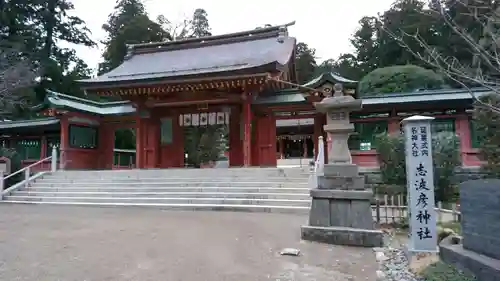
pixel 271 130
pixel 247 129
pixel 106 145
pixel 257 138
pixel 139 142
pixel 463 131
pixel 235 138
pixel 43 147
pixel 64 160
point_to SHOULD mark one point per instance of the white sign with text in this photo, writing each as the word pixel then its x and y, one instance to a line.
pixel 420 184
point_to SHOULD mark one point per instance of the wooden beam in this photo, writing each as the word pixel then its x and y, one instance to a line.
pixel 199 84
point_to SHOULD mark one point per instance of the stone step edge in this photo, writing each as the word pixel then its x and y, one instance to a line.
pixel 36 186
pixel 25 192
pixel 191 207
pixel 83 181
pixel 21 197
pixel 266 179
pixel 152 170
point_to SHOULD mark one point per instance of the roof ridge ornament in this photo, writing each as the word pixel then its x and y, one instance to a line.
pixel 282 34
pixel 130 51
pixel 241 34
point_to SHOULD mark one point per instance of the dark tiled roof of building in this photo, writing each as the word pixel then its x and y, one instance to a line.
pixel 29 123
pixel 62 101
pixel 100 108
pixel 294 96
pixel 256 51
pixel 32 127
pixel 425 96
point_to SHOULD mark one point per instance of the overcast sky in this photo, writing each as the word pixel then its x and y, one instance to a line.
pixel 325 25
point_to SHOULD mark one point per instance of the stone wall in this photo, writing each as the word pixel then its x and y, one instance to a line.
pixel 479 204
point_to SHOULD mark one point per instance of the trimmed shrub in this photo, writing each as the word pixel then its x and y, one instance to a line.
pixel 398 79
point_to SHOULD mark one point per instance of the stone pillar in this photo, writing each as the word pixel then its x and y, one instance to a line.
pixel 317 133
pixel 341 209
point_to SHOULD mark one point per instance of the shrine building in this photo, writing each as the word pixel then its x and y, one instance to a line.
pixel 240 80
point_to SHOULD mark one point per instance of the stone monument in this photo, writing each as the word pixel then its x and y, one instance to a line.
pixel 341 206
pixel 478 252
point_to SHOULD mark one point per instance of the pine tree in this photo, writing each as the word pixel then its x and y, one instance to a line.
pixel 305 62
pixel 33 29
pixel 128 24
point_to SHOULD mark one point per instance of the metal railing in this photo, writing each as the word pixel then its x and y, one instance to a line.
pixel 319 164
pixel 28 178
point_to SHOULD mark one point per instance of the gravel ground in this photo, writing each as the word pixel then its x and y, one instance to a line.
pixel 393 263
pixel 52 243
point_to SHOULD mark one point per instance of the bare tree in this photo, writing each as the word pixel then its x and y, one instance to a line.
pixel 17 75
pixel 178 30
pixel 484 70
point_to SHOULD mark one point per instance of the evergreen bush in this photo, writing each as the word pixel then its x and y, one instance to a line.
pixel 400 79
pixel 487 128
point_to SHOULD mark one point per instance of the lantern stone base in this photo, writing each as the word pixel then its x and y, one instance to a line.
pixel 341 210
pixel 346 236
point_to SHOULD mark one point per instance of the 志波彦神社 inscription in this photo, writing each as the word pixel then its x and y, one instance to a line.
pixel 423 237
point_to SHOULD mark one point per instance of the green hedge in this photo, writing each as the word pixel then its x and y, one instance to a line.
pixel 399 79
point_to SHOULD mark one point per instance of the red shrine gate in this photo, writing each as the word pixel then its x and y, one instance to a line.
pixel 229 79
pixel 170 83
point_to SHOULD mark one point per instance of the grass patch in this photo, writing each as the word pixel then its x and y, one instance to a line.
pixel 441 271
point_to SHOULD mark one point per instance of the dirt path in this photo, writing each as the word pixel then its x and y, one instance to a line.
pixel 50 243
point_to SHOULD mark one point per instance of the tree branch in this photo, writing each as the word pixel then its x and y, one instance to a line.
pixel 486 58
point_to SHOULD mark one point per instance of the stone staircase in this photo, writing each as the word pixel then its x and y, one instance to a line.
pixel 235 189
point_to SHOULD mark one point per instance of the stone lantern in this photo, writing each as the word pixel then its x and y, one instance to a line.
pixel 341 206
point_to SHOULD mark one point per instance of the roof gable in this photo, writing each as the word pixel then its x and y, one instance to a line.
pixel 58 100
pixel 329 77
pixel 257 51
